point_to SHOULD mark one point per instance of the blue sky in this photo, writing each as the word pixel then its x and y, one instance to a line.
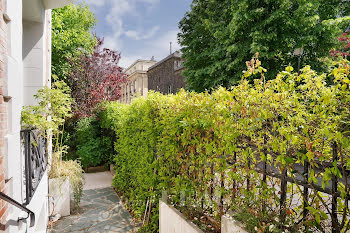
pixel 139 29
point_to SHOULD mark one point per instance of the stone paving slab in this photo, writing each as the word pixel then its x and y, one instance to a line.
pixel 101 211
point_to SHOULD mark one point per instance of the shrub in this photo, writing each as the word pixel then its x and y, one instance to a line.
pixel 208 147
pixel 93 148
pixel 54 106
pixel 71 169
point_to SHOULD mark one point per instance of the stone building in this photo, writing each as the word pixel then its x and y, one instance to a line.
pixel 137 83
pixel 166 75
pixel 25 67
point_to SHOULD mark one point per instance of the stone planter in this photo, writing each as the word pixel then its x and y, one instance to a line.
pixel 171 220
pixel 59 192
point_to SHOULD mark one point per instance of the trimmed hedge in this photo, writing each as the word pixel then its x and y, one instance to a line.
pixel 208 144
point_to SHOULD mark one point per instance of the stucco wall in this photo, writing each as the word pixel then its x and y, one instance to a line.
pixel 3 115
pixel 137 83
pixel 28 56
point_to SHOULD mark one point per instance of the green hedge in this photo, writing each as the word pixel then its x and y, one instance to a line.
pixel 206 145
pixel 93 145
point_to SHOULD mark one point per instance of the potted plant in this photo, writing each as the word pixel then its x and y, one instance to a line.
pixel 53 107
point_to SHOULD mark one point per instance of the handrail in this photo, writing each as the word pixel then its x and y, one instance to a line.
pixel 20 206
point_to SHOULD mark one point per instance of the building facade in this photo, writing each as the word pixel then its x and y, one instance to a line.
pixel 166 75
pixel 25 67
pixel 137 81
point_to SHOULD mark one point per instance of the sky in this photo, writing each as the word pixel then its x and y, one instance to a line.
pixel 139 29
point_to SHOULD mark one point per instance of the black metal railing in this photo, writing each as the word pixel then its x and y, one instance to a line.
pixel 300 177
pixel 36 158
pixel 18 205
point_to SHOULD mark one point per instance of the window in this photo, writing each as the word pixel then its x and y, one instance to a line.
pixel 178 65
pixel 170 89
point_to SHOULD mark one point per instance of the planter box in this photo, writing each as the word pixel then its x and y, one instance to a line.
pixel 59 192
pixel 172 221
pixel 96 169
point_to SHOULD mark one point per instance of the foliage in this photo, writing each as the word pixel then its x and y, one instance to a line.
pixel 96 78
pixel 136 161
pixel 218 36
pixel 53 106
pixel 71 37
pixel 344 50
pixel 54 103
pixel 72 170
pixel 93 146
pixel 205 147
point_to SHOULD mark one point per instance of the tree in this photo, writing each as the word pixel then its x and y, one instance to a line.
pixel 95 78
pixel 344 50
pixel 71 37
pixel 218 36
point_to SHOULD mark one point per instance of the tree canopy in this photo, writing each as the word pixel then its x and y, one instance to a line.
pixel 71 36
pixel 95 78
pixel 218 36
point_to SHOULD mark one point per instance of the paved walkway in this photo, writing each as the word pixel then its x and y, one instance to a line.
pixel 97 180
pixel 100 209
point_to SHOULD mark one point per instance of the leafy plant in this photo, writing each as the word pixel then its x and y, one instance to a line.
pixel 53 106
pixel 71 37
pixel 93 147
pixel 71 169
pixel 95 78
pixel 203 148
pixel 344 48
pixel 218 36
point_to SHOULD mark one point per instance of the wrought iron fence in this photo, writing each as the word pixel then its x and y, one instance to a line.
pixel 36 159
pixel 300 175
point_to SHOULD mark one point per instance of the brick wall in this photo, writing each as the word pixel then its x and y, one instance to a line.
pixel 3 111
pixel 164 78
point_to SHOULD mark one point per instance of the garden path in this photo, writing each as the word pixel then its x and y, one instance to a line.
pixel 100 210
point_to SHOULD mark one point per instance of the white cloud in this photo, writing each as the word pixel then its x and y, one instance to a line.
pixel 96 2
pixel 159 48
pixel 142 35
pixel 154 43
pixel 162 44
pixel 114 18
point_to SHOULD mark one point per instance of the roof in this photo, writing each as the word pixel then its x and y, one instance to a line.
pixel 137 61
pixel 175 54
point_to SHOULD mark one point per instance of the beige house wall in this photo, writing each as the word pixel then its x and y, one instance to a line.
pixel 137 83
